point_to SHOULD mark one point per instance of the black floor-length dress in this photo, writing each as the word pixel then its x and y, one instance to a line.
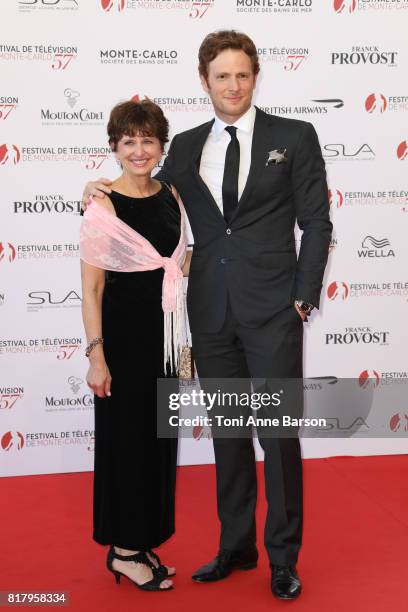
pixel 134 479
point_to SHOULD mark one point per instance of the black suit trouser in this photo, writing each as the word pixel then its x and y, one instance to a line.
pixel 271 351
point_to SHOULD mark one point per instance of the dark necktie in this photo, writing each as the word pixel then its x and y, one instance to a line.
pixel 231 172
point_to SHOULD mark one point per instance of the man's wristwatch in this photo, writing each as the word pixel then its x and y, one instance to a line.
pixel 304 307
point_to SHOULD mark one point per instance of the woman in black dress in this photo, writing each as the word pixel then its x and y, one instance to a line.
pixel 134 478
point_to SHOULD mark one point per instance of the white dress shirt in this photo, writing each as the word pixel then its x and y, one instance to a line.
pixel 214 150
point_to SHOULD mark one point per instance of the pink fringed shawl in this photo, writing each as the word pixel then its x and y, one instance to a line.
pixel 107 242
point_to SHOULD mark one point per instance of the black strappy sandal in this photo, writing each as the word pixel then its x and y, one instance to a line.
pixel 161 568
pixel 141 557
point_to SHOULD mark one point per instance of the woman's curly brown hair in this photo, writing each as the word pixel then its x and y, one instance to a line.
pixel 131 118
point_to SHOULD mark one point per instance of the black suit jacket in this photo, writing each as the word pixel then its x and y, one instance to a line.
pixel 253 258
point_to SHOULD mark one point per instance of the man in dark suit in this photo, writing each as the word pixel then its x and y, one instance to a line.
pixel 245 178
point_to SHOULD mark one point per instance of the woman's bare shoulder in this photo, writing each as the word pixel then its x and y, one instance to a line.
pixel 173 190
pixel 106 203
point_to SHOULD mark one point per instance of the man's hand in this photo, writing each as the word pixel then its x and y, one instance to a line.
pixel 95 188
pixel 301 313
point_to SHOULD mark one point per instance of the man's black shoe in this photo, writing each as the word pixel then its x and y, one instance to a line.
pixel 285 582
pixel 225 562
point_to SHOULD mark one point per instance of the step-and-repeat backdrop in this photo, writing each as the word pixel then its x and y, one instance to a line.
pixel 341 64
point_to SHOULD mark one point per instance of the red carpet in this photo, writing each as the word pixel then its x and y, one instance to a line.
pixel 354 555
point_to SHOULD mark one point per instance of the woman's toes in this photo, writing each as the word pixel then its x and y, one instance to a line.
pixel 171 570
pixel 166 584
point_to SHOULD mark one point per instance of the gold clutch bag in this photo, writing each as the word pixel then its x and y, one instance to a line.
pixel 186 369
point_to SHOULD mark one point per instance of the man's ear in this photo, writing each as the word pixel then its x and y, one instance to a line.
pixel 204 84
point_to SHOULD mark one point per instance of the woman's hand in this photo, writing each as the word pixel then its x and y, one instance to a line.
pixel 99 379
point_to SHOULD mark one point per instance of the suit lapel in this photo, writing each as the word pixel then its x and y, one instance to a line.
pixel 261 141
pixel 199 142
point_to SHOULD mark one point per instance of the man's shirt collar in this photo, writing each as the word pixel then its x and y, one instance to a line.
pixel 244 123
